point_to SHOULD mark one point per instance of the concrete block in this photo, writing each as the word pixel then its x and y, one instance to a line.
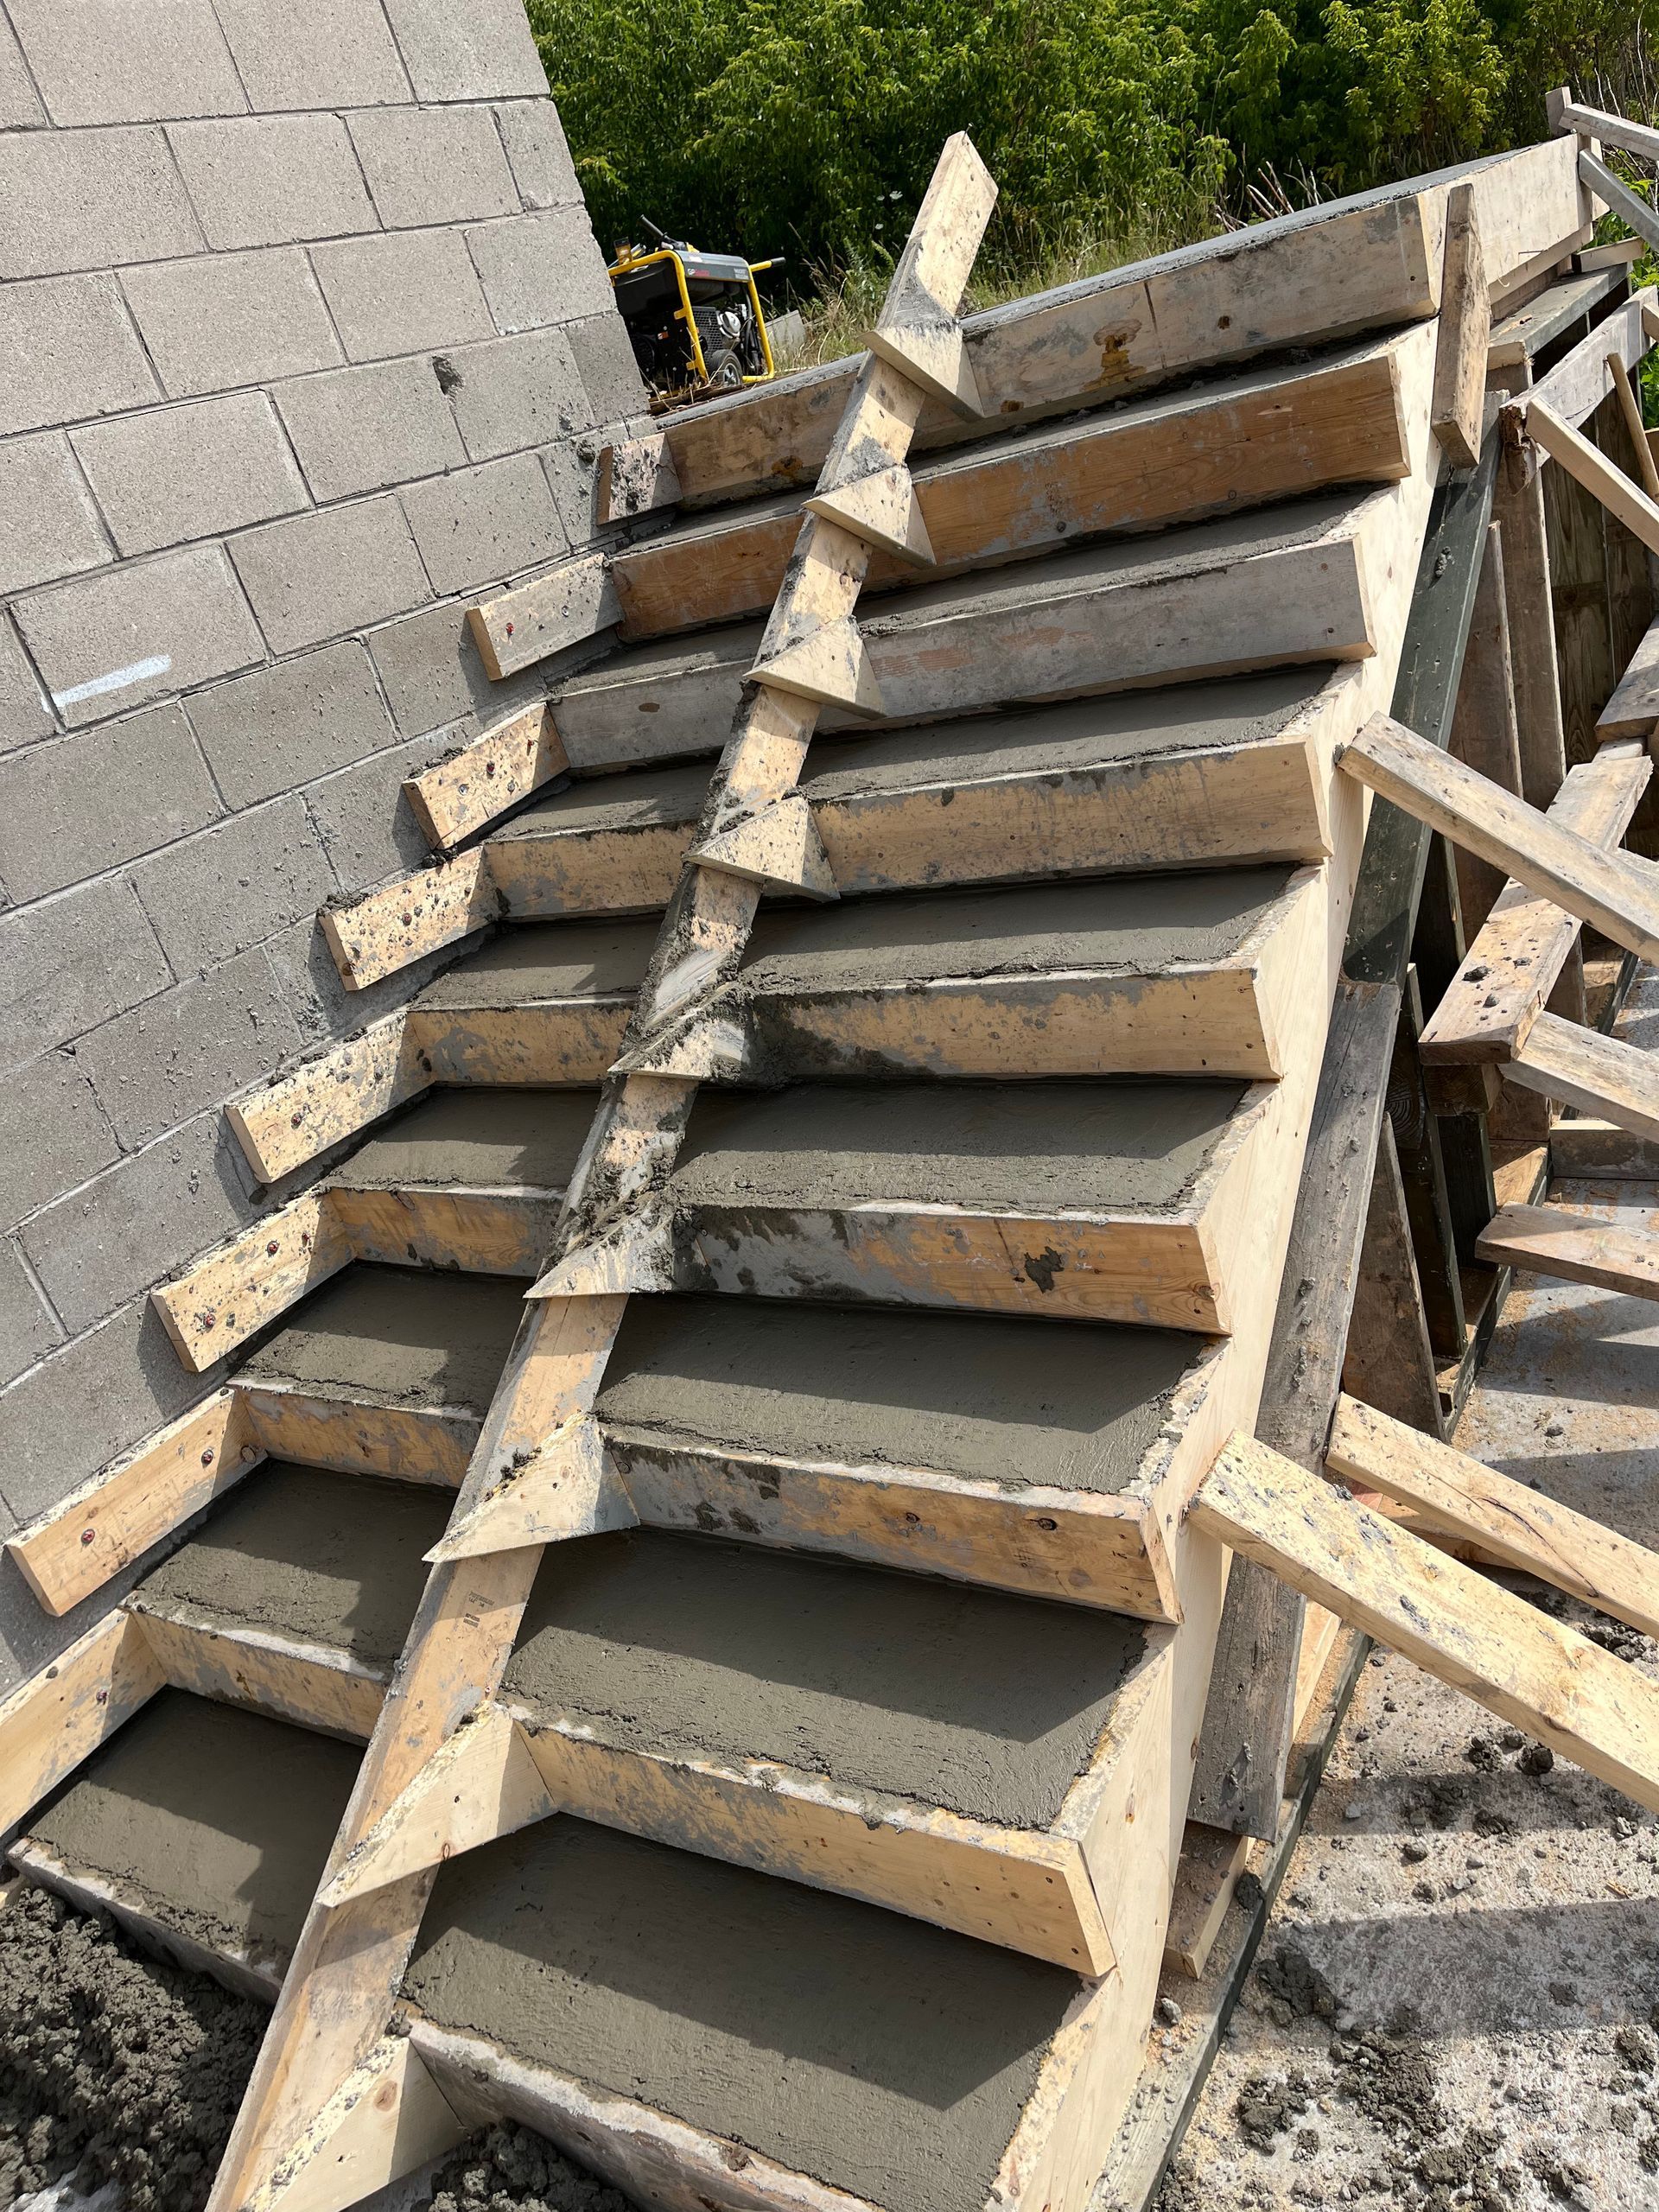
pixel 483 525
pixel 184 1052
pixel 191 471
pixel 540 269
pixel 483 51
pixel 92 1400
pixel 53 1133
pixel 268 179
pixel 360 429
pixel 72 200
pixel 19 105
pixel 109 1240
pixel 24 714
pixel 610 374
pixel 72 963
pixel 313 53
pixel 433 164
pixel 96 61
pixel 111 641
pixel 69 350
pixel 220 893
pixel 542 167
pixel 401 293
pixel 27 1332
pixel 320 575
pixel 281 726
pixel 51 528
pixel 367 834
pixel 434 676
pixel 232 319
pixel 513 393
pixel 76 805
pixel 572 468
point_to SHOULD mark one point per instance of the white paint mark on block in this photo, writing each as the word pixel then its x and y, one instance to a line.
pixel 138 672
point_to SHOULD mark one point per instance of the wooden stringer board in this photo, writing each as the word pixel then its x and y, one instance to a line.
pixel 1449 1618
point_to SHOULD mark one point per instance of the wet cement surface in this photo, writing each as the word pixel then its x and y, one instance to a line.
pixel 547 960
pixel 986 1703
pixel 1006 1402
pixel 1042 1147
pixel 478 1137
pixel 219 1819
pixel 1065 739
pixel 1144 924
pixel 645 800
pixel 328 1558
pixel 398 1336
pixel 878 2054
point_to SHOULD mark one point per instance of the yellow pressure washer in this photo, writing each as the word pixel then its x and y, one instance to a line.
pixel 695 320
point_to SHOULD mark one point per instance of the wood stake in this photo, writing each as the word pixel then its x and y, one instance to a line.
pixel 1465 329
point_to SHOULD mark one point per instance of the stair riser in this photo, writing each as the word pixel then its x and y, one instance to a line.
pixel 361 1438
pixel 317 1689
pixel 259 1979
pixel 479 1232
pixel 1045 1543
pixel 1026 1892
pixel 572 1040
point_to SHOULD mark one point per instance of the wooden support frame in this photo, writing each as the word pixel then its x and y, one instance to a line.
pixel 1465 329
pixel 336 2002
pixel 1602 1076
pixel 1576 385
pixel 1587 465
pixel 1577 1247
pixel 58 1716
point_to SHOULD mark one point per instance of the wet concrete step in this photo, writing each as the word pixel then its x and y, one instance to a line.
pixel 295 1595
pixel 678 2021
pixel 1285 589
pixel 547 1004
pixel 1179 777
pixel 204 1830
pixel 943 1750
pixel 1048 1461
pixel 385 1370
pixel 1155 975
pixel 1105 1201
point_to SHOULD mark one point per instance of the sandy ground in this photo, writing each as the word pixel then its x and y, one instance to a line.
pixel 1457 1998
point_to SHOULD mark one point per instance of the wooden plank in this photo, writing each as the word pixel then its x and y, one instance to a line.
pixel 1509 1520
pixel 1567 114
pixel 432 1445
pixel 563 1487
pixel 327 1099
pixel 1428 1200
pixel 1583 1148
pixel 1485 732
pixel 106 1524
pixel 1518 505
pixel 1581 379
pixel 1633 710
pixel 1443 1615
pixel 1543 320
pixel 1617 253
pixel 312 1685
pixel 517 628
pixel 373 936
pixel 251 1277
pixel 1512 966
pixel 349 1962
pixel 540 1041
pixel 1631 408
pixel 58 1716
pixel 916 332
pixel 1267 437
pixel 1578 1248
pixel 1388 1361
pixel 1630 206
pixel 1211 1862
pixel 1465 327
pixel 1349 266
pixel 1627 502
pixel 487 1232
pixel 479 780
pixel 1599 886
pixel 1631 603
pixel 1603 1075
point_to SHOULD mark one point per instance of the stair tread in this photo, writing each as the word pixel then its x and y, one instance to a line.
pixel 1043 1147
pixel 1147 924
pixel 396 1337
pixel 482 1137
pixel 546 959
pixel 686 1648
pixel 1077 1405
pixel 320 1558
pixel 877 2053
pixel 216 1820
pixel 644 799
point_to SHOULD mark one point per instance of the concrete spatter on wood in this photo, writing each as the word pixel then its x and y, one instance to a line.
pixel 894 2065
pixel 324 1559
pixel 396 1337
pixel 114 2067
pixel 1072 1404
pixel 1071 1147
pixel 684 1647
pixel 215 1821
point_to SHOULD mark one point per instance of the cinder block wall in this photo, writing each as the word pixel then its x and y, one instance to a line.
pixel 304 340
